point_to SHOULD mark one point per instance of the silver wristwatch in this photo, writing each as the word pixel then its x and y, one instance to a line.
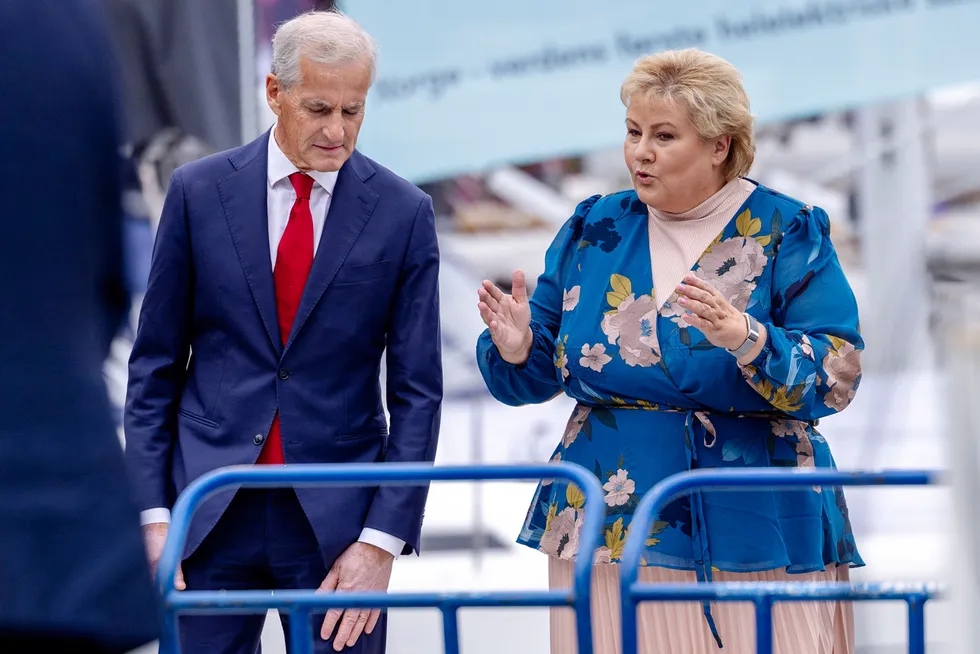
pixel 750 340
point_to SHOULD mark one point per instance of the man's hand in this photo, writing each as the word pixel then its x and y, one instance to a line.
pixel 154 537
pixel 361 567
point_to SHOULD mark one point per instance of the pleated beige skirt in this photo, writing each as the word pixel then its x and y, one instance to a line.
pixel 680 627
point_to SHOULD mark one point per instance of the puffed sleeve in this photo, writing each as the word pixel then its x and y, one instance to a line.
pixel 536 380
pixel 810 366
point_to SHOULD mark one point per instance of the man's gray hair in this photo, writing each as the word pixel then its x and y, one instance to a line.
pixel 327 37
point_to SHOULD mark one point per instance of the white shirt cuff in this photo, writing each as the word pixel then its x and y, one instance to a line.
pixel 150 516
pixel 391 544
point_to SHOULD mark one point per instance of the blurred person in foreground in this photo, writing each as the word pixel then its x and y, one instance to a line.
pixel 282 271
pixel 73 573
pixel 700 320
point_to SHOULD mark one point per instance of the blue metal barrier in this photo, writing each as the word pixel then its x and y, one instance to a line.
pixel 301 603
pixel 762 594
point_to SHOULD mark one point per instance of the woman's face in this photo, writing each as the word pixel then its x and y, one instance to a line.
pixel 672 168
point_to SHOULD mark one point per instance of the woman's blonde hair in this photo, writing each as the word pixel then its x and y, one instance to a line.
pixel 711 89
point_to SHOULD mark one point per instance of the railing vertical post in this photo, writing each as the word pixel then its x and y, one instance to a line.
pixel 917 623
pixel 450 627
pixel 629 622
pixel 583 595
pixel 301 631
pixel 763 624
pixel 170 636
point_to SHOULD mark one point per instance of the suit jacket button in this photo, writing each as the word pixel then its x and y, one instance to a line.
pixel 283 374
pixel 258 439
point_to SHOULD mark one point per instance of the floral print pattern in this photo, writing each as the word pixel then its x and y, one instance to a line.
pixel 619 488
pixel 562 535
pixel 561 359
pixel 570 298
pixel 631 324
pixel 732 267
pixel 842 363
pixel 673 311
pixel 594 357
pixel 615 539
pixel 798 431
pixel 574 427
pixel 806 347
pixel 555 458
pixel 601 233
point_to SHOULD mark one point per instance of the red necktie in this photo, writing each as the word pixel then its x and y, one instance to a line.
pixel 294 258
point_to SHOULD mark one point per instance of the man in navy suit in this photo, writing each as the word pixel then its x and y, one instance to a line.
pixel 73 572
pixel 281 273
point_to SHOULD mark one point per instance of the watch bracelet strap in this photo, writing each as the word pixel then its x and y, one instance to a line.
pixel 750 340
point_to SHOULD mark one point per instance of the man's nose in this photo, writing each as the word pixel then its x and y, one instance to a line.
pixel 333 129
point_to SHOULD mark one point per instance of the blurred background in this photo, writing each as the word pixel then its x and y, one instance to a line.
pixel 508 114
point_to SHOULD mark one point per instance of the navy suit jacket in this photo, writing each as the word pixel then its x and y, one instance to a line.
pixel 72 562
pixel 208 370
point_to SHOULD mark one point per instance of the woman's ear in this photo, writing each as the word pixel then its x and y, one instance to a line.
pixel 723 144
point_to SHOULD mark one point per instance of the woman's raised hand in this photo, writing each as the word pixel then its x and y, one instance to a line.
pixel 509 318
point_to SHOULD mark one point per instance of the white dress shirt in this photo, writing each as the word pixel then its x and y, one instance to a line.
pixel 281 197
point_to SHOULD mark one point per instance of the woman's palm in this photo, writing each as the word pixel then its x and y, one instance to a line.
pixel 507 316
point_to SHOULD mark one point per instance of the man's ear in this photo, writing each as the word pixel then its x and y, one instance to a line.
pixel 273 93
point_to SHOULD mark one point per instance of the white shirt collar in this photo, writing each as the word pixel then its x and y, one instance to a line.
pixel 280 167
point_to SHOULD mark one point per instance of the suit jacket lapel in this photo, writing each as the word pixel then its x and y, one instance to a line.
pixel 351 206
pixel 244 197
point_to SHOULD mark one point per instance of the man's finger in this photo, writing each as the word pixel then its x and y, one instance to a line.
pixel 346 628
pixel 372 621
pixel 333 615
pixel 330 581
pixel 179 579
pixel 329 622
pixel 358 628
pixel 519 287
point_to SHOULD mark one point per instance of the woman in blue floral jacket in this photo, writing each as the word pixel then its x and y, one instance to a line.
pixel 700 320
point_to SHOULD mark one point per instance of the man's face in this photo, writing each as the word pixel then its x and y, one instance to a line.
pixel 320 116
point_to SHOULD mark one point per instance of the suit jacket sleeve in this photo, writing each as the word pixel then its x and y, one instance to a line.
pixel 414 382
pixel 158 362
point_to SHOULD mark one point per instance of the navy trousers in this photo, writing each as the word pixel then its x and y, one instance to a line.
pixel 263 541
